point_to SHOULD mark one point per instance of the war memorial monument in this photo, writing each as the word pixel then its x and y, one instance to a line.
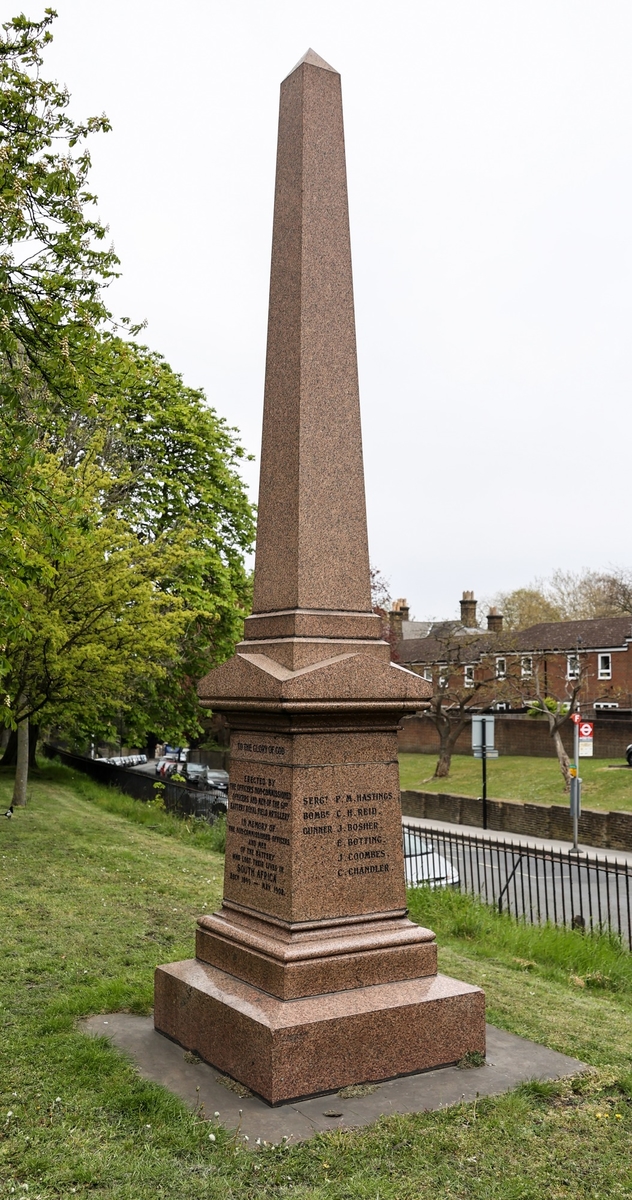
pixel 311 977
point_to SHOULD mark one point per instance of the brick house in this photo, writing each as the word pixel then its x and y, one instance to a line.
pixel 598 650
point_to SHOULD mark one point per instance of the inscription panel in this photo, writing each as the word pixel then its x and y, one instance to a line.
pixel 306 842
pixel 347 849
pixel 258 867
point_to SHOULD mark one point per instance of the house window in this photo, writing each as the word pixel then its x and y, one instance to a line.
pixel 501 668
pixel 526 666
pixel 572 666
pixel 605 666
pixel 428 674
pixel 468 676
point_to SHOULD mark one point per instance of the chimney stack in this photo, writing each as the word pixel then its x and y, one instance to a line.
pixel 494 621
pixel 398 613
pixel 468 610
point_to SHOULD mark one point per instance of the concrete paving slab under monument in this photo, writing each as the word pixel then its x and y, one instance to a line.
pixel 510 1060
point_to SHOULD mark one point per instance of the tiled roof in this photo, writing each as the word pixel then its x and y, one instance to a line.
pixel 566 635
pixel 465 648
pixel 415 629
pixel 597 634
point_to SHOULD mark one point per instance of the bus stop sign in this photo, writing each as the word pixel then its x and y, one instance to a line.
pixel 586 729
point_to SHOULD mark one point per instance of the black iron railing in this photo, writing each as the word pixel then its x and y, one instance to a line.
pixel 177 797
pixel 532 883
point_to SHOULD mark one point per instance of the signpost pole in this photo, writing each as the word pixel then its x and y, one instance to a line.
pixel 484 762
pixel 575 788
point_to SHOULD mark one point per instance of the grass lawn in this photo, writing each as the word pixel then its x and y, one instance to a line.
pixel 97 889
pixel 536 780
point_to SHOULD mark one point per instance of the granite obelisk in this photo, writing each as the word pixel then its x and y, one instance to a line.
pixel 311 976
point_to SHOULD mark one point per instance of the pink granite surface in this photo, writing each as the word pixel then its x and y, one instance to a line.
pixel 302 623
pixel 344 677
pixel 314 828
pixel 285 1049
pixel 312 549
pixel 312 640
pixel 313 976
pixel 292 961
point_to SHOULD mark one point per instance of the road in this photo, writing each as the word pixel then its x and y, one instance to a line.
pixel 538 882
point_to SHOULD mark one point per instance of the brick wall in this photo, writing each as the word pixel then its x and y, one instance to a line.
pixel 606 830
pixel 517 734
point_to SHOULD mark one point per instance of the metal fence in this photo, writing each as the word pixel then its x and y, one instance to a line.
pixel 189 802
pixel 535 885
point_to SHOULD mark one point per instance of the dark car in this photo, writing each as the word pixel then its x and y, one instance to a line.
pixel 195 774
pixel 217 788
pixel 628 755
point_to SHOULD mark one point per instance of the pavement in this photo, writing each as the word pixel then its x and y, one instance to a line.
pixel 510 1061
pixel 519 839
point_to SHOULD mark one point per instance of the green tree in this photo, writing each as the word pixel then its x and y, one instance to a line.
pixel 174 467
pixel 526 606
pixel 95 610
pixel 53 265
pixel 123 519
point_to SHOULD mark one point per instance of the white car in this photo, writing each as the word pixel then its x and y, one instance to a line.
pixel 424 866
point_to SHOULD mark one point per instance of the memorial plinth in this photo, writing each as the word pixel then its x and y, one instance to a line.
pixel 311 976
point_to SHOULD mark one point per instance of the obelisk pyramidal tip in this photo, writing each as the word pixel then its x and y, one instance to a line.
pixel 313 60
pixel 312 550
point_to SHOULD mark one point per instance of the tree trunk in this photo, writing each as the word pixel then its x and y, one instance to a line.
pixel 150 745
pixel 563 759
pixel 448 737
pixel 446 745
pixel 442 769
pixel 10 756
pixel 22 766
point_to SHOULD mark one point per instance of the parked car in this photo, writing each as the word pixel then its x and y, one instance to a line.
pixel 217 778
pixel 217 787
pixel 424 866
pixel 628 755
pixel 168 768
pixel 195 774
pixel 126 760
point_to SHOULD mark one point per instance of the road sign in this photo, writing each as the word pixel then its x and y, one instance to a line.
pixel 575 718
pixel 585 742
pixel 477 732
pixel 483 748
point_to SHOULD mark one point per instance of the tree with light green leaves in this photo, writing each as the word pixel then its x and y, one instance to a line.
pixel 123 518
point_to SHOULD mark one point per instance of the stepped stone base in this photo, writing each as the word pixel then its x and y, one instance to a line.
pixel 292 962
pixel 286 1049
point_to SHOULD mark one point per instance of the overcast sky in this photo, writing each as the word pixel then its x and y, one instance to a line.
pixel 489 157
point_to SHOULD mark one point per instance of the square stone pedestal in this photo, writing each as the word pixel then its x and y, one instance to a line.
pixel 283 1049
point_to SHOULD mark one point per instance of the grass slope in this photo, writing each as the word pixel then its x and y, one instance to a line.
pixel 96 890
pixel 534 780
